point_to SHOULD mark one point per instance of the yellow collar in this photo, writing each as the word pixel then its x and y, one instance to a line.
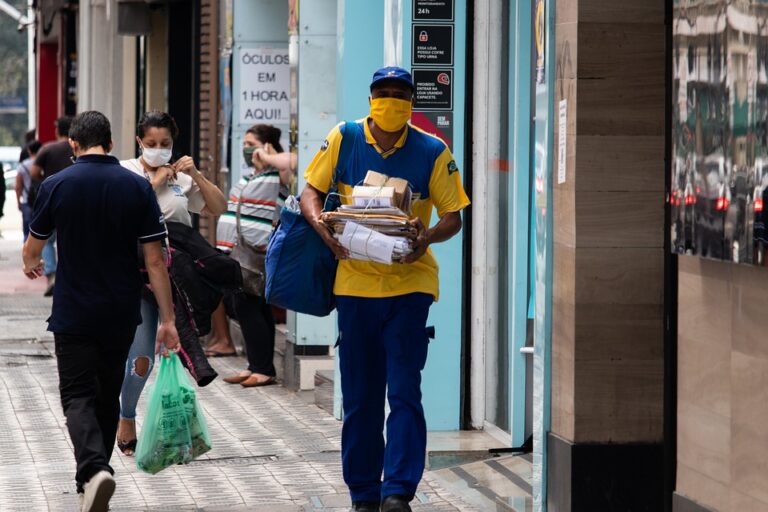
pixel 371 140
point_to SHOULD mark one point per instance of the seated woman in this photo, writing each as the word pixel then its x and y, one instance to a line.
pixel 252 212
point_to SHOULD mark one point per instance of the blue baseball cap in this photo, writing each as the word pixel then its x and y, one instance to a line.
pixel 392 73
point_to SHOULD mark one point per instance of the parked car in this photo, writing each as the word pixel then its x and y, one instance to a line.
pixel 713 201
pixel 9 160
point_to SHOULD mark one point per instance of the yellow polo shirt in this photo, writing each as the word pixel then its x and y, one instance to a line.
pixel 428 165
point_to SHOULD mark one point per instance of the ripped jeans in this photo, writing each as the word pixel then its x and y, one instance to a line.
pixel 143 346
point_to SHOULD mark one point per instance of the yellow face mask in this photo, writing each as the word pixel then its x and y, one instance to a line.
pixel 390 114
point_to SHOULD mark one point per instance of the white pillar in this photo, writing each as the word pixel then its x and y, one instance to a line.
pixel 393 32
pixel 84 66
pixel 107 72
pixel 31 68
pixel 479 287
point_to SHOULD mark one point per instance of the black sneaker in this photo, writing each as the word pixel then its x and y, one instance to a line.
pixel 365 506
pixel 396 503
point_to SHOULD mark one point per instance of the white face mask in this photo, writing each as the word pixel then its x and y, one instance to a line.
pixel 156 157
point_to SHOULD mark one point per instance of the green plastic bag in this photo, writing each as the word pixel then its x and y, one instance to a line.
pixel 174 430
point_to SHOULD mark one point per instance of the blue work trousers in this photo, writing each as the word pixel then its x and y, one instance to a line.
pixel 383 349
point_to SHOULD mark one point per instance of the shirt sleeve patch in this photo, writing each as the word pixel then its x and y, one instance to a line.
pixel 452 167
pixel 325 145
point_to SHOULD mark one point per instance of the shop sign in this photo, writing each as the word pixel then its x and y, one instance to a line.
pixel 13 105
pixel 433 10
pixel 265 85
pixel 433 44
pixel 436 123
pixel 433 89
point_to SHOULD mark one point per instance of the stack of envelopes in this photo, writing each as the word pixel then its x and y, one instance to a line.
pixel 359 228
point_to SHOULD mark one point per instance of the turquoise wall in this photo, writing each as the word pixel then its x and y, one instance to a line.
pixel 519 243
pixel 254 27
pixel 442 376
pixel 315 47
pixel 357 22
pixel 360 51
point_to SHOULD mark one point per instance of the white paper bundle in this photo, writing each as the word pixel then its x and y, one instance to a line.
pixel 366 244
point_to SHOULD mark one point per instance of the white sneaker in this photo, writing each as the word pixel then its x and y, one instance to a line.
pixel 97 492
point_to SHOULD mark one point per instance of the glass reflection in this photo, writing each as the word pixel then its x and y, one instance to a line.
pixel 720 139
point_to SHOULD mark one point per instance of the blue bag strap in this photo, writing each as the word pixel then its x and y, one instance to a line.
pixel 332 199
pixel 346 147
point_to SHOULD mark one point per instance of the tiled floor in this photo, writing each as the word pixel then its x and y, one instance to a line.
pixel 503 483
pixel 273 450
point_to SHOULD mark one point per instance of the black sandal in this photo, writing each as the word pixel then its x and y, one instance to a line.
pixel 129 445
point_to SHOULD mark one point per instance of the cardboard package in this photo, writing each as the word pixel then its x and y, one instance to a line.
pixel 374 197
pixel 402 191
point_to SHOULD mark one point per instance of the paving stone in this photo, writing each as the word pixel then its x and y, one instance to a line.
pixel 272 451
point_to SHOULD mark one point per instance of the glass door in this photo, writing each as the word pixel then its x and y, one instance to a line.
pixel 497 349
pixel 508 233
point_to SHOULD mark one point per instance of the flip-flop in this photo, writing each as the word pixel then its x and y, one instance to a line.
pixel 217 353
pixel 269 382
pixel 128 445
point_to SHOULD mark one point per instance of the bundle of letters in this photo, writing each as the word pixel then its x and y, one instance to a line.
pixel 375 226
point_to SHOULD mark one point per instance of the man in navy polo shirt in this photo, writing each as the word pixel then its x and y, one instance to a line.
pixel 99 211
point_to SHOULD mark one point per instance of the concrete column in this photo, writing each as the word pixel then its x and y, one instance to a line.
pixel 107 79
pixel 157 62
pixel 605 445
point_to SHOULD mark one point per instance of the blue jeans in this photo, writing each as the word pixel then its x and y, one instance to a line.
pixel 382 349
pixel 49 255
pixel 26 218
pixel 143 346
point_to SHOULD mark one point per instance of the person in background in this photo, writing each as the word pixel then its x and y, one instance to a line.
pixel 24 185
pixel 28 138
pixel 258 197
pixel 180 189
pixel 221 339
pixel 52 158
pixel 101 213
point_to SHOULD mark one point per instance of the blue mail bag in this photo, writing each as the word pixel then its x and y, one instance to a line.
pixel 301 269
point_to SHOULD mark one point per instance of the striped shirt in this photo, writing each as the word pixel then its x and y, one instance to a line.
pixel 260 198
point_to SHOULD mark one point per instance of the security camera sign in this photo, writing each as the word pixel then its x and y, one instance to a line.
pixel 265 85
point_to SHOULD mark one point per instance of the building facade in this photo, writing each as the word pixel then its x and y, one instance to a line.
pixel 611 150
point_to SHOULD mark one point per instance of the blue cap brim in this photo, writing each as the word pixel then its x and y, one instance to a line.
pixel 392 79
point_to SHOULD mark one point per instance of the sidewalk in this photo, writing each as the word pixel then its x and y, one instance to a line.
pixel 272 450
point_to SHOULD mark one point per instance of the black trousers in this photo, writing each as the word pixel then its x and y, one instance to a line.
pixel 258 325
pixel 91 370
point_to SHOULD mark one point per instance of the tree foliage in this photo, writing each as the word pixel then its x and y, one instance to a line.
pixel 13 75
